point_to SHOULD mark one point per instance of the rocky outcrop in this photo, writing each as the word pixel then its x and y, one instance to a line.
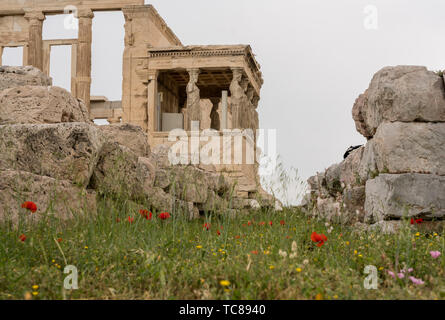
pixel 40 105
pixel 60 198
pixel 11 77
pixel 402 93
pixel 400 171
pixel 64 151
pixel 411 194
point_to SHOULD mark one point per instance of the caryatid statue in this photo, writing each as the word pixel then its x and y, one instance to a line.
pixel 237 93
pixel 215 123
pixel 193 98
pixel 250 108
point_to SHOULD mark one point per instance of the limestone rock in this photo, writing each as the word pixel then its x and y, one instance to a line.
pixel 40 104
pixel 402 93
pixel 398 195
pixel 384 227
pixel 67 151
pixel 122 173
pixel 354 201
pixel 128 135
pixel 358 114
pixel 54 197
pixel 409 147
pixel 11 77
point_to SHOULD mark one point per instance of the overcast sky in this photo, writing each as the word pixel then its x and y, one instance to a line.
pixel 317 56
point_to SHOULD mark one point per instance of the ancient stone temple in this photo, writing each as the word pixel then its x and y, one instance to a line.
pixel 166 85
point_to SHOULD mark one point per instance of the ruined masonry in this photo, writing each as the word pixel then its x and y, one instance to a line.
pixel 48 139
pixel 400 172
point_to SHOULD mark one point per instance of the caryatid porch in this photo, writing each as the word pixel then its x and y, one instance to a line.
pixel 185 82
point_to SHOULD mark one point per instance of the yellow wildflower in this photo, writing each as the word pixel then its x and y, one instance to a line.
pixel 298 269
pixel 224 283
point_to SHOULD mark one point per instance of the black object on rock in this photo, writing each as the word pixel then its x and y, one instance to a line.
pixel 350 149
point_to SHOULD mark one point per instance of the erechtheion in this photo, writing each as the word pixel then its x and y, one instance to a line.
pixel 166 85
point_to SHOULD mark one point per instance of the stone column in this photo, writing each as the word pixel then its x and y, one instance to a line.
pixel 83 56
pixel 152 100
pixel 35 42
pixel 193 99
pixel 215 122
pixel 237 95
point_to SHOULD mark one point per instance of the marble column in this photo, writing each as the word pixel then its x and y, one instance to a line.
pixel 152 101
pixel 83 56
pixel 35 41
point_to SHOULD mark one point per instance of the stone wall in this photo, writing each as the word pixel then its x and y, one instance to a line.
pixel 400 172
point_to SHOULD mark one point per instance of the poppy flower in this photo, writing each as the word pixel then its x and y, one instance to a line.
pixel 249 223
pixel 130 219
pixel 22 238
pixel 29 205
pixel 146 214
pixel 218 232
pixel 118 220
pixel 282 222
pixel 254 252
pixel 262 223
pixel 416 221
pixel 319 238
pixel 164 215
pixel 206 226
pixel 270 223
pixel 237 237
pixel 59 240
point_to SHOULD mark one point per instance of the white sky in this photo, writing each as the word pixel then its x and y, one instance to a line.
pixel 316 58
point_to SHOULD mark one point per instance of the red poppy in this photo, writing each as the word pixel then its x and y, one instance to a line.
pixel 206 226
pixel 59 240
pixel 254 252
pixel 282 222
pixel 417 221
pixel 146 214
pixel 249 223
pixel 319 238
pixel 244 225
pixel 118 220
pixel 270 223
pixel 288 237
pixel 130 219
pixel 218 232
pixel 22 238
pixel 237 237
pixel 262 223
pixel 164 216
pixel 29 205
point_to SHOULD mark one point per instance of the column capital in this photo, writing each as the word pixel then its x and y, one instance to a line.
pixel 34 15
pixel 84 13
pixel 153 74
pixel 194 70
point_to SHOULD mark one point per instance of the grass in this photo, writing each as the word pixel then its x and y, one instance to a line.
pixel 179 259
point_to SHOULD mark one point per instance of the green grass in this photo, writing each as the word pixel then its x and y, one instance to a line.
pixel 179 259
